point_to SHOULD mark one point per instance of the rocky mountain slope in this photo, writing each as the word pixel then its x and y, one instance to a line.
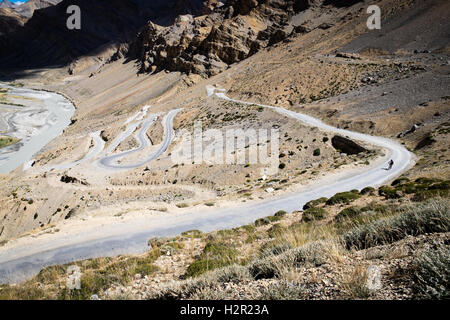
pixel 45 39
pixel 202 37
pixel 208 44
pixel 10 20
pixel 14 16
pixel 27 9
pixel 6 4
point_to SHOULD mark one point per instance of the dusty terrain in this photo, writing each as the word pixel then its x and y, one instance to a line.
pixel 290 74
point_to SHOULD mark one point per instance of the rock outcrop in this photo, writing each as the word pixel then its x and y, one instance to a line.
pixel 346 145
pixel 208 44
pixel 68 179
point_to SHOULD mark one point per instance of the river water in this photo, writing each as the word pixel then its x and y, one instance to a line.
pixel 36 118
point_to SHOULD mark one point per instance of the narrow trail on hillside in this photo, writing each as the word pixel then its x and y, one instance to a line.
pixel 22 260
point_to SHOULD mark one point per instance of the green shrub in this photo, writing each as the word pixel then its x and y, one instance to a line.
pixel 262 222
pixel 314 213
pixel 349 212
pixel 431 190
pixel 280 213
pixel 276 230
pixel 282 166
pixel 249 228
pixel 343 197
pixel 399 181
pixel 429 217
pixel 368 190
pixel 273 218
pixel 215 255
pixel 314 203
pixel 376 207
pixel 388 192
pixel 316 152
pixel 429 194
pixel 192 234
pixel 426 180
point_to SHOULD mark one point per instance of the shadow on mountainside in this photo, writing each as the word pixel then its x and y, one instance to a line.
pixel 45 41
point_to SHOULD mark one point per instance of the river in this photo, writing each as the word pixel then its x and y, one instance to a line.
pixel 33 116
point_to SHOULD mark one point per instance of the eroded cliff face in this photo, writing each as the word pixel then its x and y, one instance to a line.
pixel 225 34
pixel 46 41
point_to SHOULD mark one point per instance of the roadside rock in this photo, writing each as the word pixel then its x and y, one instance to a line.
pixel 346 145
pixel 425 141
pixel 69 179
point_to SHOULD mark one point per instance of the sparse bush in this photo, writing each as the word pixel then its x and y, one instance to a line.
pixel 425 188
pixel 99 274
pixel 280 213
pixel 272 249
pixel 377 207
pixel 399 181
pixel 432 274
pixel 368 191
pixel 353 285
pixel 349 212
pixel 282 290
pixel 343 197
pixel 262 222
pixel 316 152
pixel 430 217
pixel 270 266
pixel 234 273
pixel 282 165
pixel 314 203
pixel 249 228
pixel 429 194
pixel 215 255
pixel 314 213
pixel 388 192
pixel 275 230
pixel 265 268
pixel 192 234
pixel 273 218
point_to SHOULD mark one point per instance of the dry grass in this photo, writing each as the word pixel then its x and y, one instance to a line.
pixel 353 284
pixel 428 217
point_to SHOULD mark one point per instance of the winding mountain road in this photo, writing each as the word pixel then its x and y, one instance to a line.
pixel 108 161
pixel 22 261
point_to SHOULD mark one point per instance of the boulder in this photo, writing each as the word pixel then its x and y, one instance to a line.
pixel 346 145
